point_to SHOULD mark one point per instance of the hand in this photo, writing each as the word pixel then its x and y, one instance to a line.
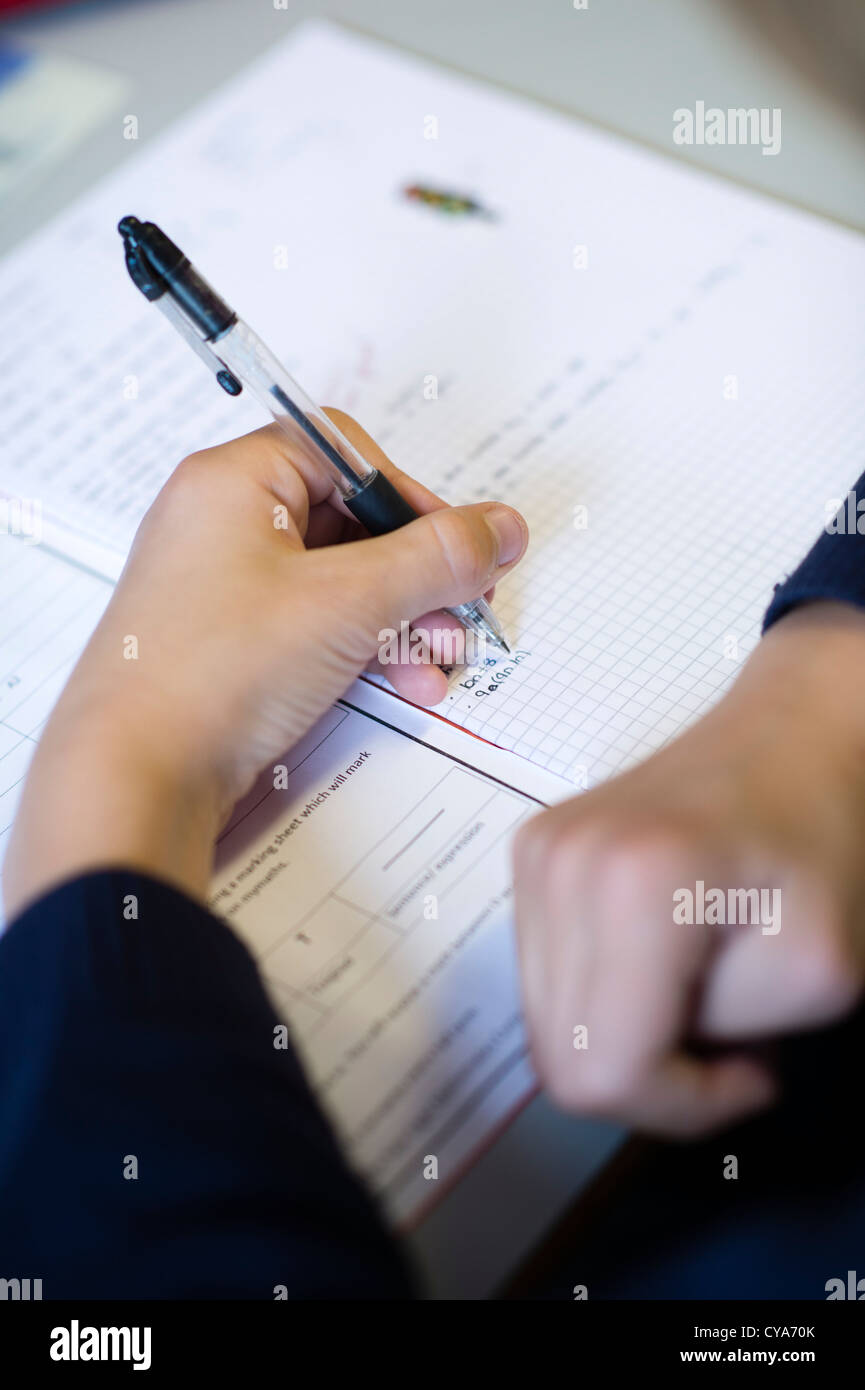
pixel 249 603
pixel 767 792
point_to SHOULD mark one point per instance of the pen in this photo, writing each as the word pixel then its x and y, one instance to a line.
pixel 165 276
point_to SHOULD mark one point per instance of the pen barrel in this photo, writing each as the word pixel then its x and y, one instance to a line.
pixel 380 508
pixel 312 433
pixel 206 311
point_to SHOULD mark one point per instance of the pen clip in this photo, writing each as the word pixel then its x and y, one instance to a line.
pixel 176 317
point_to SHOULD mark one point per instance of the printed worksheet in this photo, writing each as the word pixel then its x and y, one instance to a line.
pixel 660 369
pixel 370 876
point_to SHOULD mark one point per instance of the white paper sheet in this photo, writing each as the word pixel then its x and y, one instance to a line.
pixel 672 417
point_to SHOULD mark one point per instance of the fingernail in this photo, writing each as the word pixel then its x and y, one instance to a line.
pixel 508 533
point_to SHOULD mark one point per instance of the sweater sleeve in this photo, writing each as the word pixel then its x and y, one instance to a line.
pixel 834 567
pixel 154 1142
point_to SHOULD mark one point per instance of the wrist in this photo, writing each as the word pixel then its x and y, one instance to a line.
pixel 102 793
pixel 817 654
pixel 801 693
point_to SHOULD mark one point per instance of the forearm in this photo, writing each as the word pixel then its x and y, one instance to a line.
pixel 103 792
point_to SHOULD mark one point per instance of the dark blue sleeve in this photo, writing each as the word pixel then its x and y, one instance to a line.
pixel 146 1046
pixel 834 567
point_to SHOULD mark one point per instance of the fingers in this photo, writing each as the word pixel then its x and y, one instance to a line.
pixel 683 1097
pixel 647 972
pixel 448 556
pixel 554 939
pixel 425 684
pixel 610 979
pixel 268 457
pixel 420 497
pixel 222 474
pixel 275 461
pixel 795 968
pixel 329 525
pixel 413 667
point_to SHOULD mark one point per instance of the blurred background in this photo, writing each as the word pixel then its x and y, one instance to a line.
pixel 71 73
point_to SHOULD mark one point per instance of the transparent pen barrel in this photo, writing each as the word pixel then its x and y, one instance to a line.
pixel 312 434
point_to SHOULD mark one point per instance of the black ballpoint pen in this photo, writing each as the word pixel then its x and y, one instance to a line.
pixel 229 346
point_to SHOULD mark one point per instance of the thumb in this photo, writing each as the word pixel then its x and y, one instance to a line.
pixel 446 557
